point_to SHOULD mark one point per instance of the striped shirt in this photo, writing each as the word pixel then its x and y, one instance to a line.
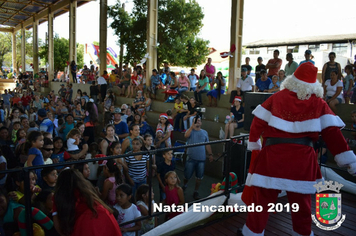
pixel 137 168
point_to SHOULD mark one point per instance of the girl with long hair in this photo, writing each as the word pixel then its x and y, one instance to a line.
pixel 215 93
pixel 77 209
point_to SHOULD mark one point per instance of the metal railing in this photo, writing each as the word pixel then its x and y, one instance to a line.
pixel 227 154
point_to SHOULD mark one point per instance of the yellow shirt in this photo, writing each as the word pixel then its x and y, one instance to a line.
pixel 112 78
pixel 178 106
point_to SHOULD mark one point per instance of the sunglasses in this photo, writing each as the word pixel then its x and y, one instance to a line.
pixel 48 149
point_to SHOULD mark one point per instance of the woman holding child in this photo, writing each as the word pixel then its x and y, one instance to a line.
pixel 167 129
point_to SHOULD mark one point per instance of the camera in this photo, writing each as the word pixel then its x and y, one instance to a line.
pixel 200 109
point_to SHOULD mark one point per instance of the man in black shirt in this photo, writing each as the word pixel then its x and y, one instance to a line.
pixel 259 67
pixel 247 65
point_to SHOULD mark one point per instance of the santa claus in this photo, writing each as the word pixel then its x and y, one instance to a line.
pixel 290 122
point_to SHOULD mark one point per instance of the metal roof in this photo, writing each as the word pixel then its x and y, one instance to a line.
pixel 341 38
pixel 13 13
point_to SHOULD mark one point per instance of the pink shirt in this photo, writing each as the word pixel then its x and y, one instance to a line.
pixel 183 81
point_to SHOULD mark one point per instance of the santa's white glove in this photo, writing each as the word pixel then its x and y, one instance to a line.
pixel 352 168
pixel 345 158
pixel 254 145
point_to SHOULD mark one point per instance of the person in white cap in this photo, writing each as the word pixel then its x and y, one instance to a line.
pixel 183 82
pixel 290 121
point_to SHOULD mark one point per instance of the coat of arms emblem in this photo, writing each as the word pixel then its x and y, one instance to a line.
pixel 328 206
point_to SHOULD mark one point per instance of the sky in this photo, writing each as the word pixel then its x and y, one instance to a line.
pixel 263 19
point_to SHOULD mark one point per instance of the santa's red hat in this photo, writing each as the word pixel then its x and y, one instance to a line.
pixel 237 98
pixel 306 73
pixel 159 130
pixel 164 115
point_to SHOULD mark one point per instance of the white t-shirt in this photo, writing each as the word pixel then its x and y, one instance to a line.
pixel 128 214
pixel 245 85
pixel 101 80
pixel 92 167
pixel 71 146
pixel 331 89
pixel 193 80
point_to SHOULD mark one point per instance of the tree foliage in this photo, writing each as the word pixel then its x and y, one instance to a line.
pixel 179 23
pixel 61 53
pixel 6 48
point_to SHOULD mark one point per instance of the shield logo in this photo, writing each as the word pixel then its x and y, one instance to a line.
pixel 328 208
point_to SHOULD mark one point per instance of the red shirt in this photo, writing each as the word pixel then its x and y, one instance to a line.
pixel 25 100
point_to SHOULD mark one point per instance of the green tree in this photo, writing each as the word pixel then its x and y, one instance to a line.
pixel 5 46
pixel 61 53
pixel 179 23
pixel 7 59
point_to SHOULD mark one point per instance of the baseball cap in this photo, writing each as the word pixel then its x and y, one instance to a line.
pixel 62 84
pixel 243 69
pixel 307 51
pixel 42 112
pixel 118 111
pixel 182 72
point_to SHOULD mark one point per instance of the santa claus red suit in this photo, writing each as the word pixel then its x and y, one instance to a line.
pixel 289 122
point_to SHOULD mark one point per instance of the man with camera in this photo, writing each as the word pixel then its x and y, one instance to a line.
pixel 196 156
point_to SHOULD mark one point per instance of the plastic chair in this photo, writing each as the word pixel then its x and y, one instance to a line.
pixel 178 153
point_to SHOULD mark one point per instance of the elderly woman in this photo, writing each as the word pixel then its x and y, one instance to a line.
pixel 333 90
pixel 183 83
pixel 38 103
pixel 236 118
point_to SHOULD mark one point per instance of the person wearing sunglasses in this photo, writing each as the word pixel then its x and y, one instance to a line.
pixel 47 151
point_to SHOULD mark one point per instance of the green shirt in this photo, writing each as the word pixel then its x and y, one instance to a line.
pixel 289 70
pixel 201 82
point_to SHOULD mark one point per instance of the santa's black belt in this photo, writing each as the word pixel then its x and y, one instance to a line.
pixel 302 141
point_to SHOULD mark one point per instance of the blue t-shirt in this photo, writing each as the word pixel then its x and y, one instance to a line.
pixel 121 128
pixel 263 85
pixel 307 61
pixel 271 86
pixel 37 161
pixel 47 125
pixel 6 98
pixel 155 80
pixel 197 136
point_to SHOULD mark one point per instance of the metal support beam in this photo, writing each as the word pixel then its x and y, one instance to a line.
pixel 237 10
pixel 50 68
pixel 103 34
pixel 152 31
pixel 23 49
pixel 35 45
pixel 14 62
pixel 72 33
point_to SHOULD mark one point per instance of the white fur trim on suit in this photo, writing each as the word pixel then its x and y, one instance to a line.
pixel 297 186
pixel 345 158
pixel 254 145
pixel 312 125
pixel 296 234
pixel 247 232
pixel 352 168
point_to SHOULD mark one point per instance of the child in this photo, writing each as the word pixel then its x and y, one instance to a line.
pixel 348 83
pixel 142 202
pixel 83 168
pixel 20 137
pixel 159 136
pixel 33 114
pixel 49 176
pixel 112 181
pixel 15 185
pixel 16 126
pixel 162 169
pixel 80 196
pixel 73 139
pixel 178 108
pixel 58 152
pixel 33 127
pixel 114 150
pixel 67 126
pixel 148 141
pixel 137 164
pixel 127 210
pixel 169 114
pixel 174 193
pixel 13 212
pixel 43 202
pixel 274 86
pixel 33 145
pixel 93 166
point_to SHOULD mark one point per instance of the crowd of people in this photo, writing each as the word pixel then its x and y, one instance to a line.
pixel 337 88
pixel 59 127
